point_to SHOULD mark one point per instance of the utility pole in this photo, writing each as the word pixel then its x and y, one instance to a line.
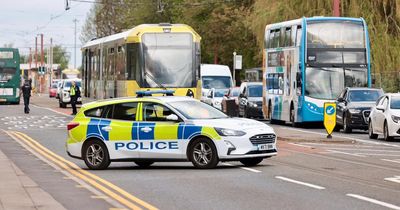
pixel 51 60
pixel 35 57
pixel 41 50
pixel 75 21
pixel 336 8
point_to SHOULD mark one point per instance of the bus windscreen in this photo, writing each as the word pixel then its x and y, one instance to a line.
pixel 7 73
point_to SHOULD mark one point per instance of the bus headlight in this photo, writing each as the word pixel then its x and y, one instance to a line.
pixel 16 92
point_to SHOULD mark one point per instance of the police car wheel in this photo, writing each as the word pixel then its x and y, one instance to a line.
pixel 95 155
pixel 203 154
pixel 144 164
pixel 251 161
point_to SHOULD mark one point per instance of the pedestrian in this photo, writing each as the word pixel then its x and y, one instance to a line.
pixel 26 93
pixel 74 93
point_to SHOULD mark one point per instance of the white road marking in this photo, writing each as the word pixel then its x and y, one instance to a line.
pixel 338 145
pixel 300 183
pixel 381 203
pixel 393 179
pixel 394 161
pixel 373 154
pixel 52 110
pixel 344 137
pixel 369 150
pixel 301 145
pixel 244 168
pixel 345 153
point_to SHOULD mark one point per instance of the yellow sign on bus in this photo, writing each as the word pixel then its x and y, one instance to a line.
pixel 329 117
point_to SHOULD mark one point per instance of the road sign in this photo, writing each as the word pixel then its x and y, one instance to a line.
pixel 238 61
pixel 329 117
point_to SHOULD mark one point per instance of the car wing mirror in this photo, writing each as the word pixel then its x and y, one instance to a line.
pixel 380 108
pixel 172 117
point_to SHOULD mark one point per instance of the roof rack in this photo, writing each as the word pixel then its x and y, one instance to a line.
pixel 142 93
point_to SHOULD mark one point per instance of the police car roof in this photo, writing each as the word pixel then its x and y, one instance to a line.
pixel 165 99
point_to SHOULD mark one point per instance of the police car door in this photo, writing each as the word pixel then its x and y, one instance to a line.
pixel 123 131
pixel 158 137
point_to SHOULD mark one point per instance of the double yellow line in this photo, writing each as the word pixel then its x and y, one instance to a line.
pixel 105 186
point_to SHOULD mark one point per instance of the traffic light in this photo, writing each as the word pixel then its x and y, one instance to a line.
pixel 42 70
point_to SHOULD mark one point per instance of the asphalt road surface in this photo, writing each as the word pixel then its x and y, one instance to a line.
pixel 310 172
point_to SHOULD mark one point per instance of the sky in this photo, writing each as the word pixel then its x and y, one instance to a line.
pixel 23 20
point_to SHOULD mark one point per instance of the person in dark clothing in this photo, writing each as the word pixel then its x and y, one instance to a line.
pixel 74 93
pixel 26 93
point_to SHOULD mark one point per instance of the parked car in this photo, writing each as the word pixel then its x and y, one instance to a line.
pixel 353 107
pixel 64 95
pixel 214 97
pixel 231 109
pixel 53 89
pixel 385 117
pixel 59 84
pixel 250 100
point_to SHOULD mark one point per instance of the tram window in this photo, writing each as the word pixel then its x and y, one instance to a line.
pixel 119 49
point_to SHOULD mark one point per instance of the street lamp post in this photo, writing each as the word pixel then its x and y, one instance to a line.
pixel 234 68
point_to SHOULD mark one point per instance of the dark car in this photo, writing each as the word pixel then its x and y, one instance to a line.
pixel 250 100
pixel 230 102
pixel 353 107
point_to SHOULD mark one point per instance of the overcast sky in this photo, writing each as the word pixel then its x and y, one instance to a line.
pixel 22 20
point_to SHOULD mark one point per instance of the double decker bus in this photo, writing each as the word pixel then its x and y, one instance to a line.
pixel 10 75
pixel 309 61
pixel 146 57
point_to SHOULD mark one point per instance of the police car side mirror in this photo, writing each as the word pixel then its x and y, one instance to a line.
pixel 172 117
pixel 380 108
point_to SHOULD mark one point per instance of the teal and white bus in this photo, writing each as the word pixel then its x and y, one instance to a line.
pixel 309 61
pixel 10 75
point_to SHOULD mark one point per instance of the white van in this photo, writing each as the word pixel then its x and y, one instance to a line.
pixel 214 79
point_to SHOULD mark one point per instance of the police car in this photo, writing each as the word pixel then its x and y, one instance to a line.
pixel 166 128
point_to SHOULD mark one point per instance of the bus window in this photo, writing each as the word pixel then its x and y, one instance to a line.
pixel 288 42
pixel 293 36
pixel 271 39
pixel 277 36
pixel 282 38
pixel 298 36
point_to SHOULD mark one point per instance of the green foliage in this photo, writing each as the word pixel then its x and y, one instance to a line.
pixel 238 25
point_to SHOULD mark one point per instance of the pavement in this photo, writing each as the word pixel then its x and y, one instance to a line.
pixel 18 191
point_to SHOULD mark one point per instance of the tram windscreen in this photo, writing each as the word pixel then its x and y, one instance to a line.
pixel 168 60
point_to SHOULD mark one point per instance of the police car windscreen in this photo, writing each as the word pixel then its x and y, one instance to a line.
pixel 168 59
pixel 197 110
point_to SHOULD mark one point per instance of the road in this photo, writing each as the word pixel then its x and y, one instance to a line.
pixel 348 172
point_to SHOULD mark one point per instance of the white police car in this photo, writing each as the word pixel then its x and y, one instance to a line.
pixel 167 128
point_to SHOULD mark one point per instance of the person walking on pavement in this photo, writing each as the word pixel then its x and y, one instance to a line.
pixel 74 93
pixel 26 93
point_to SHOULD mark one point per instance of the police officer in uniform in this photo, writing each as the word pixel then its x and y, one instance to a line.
pixel 74 93
pixel 26 92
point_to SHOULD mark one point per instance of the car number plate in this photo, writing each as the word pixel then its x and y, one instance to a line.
pixel 265 146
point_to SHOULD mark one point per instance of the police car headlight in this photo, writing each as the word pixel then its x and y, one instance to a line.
pixel 395 119
pixel 354 111
pixel 229 132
